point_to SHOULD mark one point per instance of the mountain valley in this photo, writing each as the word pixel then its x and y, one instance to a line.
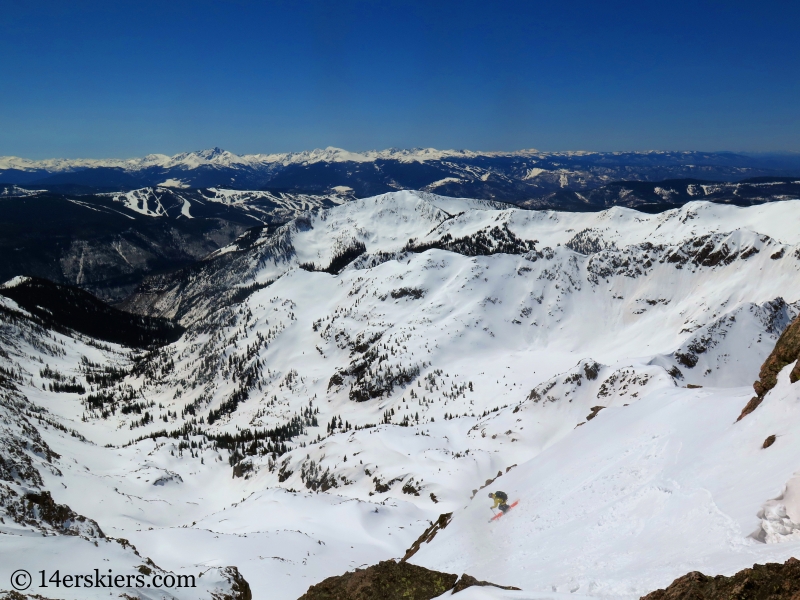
pixel 310 397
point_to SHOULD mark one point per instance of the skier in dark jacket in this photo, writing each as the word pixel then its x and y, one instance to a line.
pixel 500 501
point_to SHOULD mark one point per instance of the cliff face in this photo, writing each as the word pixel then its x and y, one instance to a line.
pixel 772 581
pixel 787 351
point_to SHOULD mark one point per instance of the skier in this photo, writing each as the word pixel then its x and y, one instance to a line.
pixel 500 501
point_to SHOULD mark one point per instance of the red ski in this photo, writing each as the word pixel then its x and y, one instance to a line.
pixel 501 513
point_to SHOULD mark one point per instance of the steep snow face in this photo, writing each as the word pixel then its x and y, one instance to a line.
pixel 663 486
pixel 461 346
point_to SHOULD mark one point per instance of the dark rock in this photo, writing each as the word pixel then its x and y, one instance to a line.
pixel 591 370
pixel 593 414
pixel 688 359
pixel 482 243
pixel 468 581
pixel 751 405
pixel 388 580
pixel 786 351
pixel 489 482
pixel 240 589
pixel 415 293
pixel 40 510
pixel 426 537
pixel 772 581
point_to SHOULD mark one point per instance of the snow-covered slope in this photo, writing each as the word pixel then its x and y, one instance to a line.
pixel 257 206
pixel 107 242
pixel 667 485
pixel 315 419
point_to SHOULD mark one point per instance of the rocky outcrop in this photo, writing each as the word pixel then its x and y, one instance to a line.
pixel 390 580
pixel 240 589
pixel 786 351
pixel 773 581
pixel 426 537
pixel 468 581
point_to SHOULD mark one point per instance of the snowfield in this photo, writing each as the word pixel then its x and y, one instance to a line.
pixel 667 485
pixel 317 415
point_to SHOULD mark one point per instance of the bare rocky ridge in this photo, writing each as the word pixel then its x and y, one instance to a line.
pixel 428 535
pixel 390 580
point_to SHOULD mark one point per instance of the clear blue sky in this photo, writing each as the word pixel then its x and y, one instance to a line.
pixel 120 78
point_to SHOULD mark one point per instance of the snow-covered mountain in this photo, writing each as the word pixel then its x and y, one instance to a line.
pixel 80 221
pixel 516 177
pixel 346 378
pixel 107 242
pixel 219 157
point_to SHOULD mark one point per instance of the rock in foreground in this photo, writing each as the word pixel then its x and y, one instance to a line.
pixel 787 351
pixel 773 581
pixel 389 580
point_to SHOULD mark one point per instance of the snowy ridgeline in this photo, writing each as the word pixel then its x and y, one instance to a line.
pixel 351 376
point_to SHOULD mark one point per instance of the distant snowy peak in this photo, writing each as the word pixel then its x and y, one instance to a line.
pixel 14 282
pixel 224 158
pixel 337 155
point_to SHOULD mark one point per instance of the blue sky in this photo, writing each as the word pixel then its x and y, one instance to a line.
pixel 119 78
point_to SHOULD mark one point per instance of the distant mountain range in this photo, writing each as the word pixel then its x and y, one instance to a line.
pixel 106 242
pixel 104 225
pixel 513 177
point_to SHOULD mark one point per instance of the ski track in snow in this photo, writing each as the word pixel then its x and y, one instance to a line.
pixel 519 348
